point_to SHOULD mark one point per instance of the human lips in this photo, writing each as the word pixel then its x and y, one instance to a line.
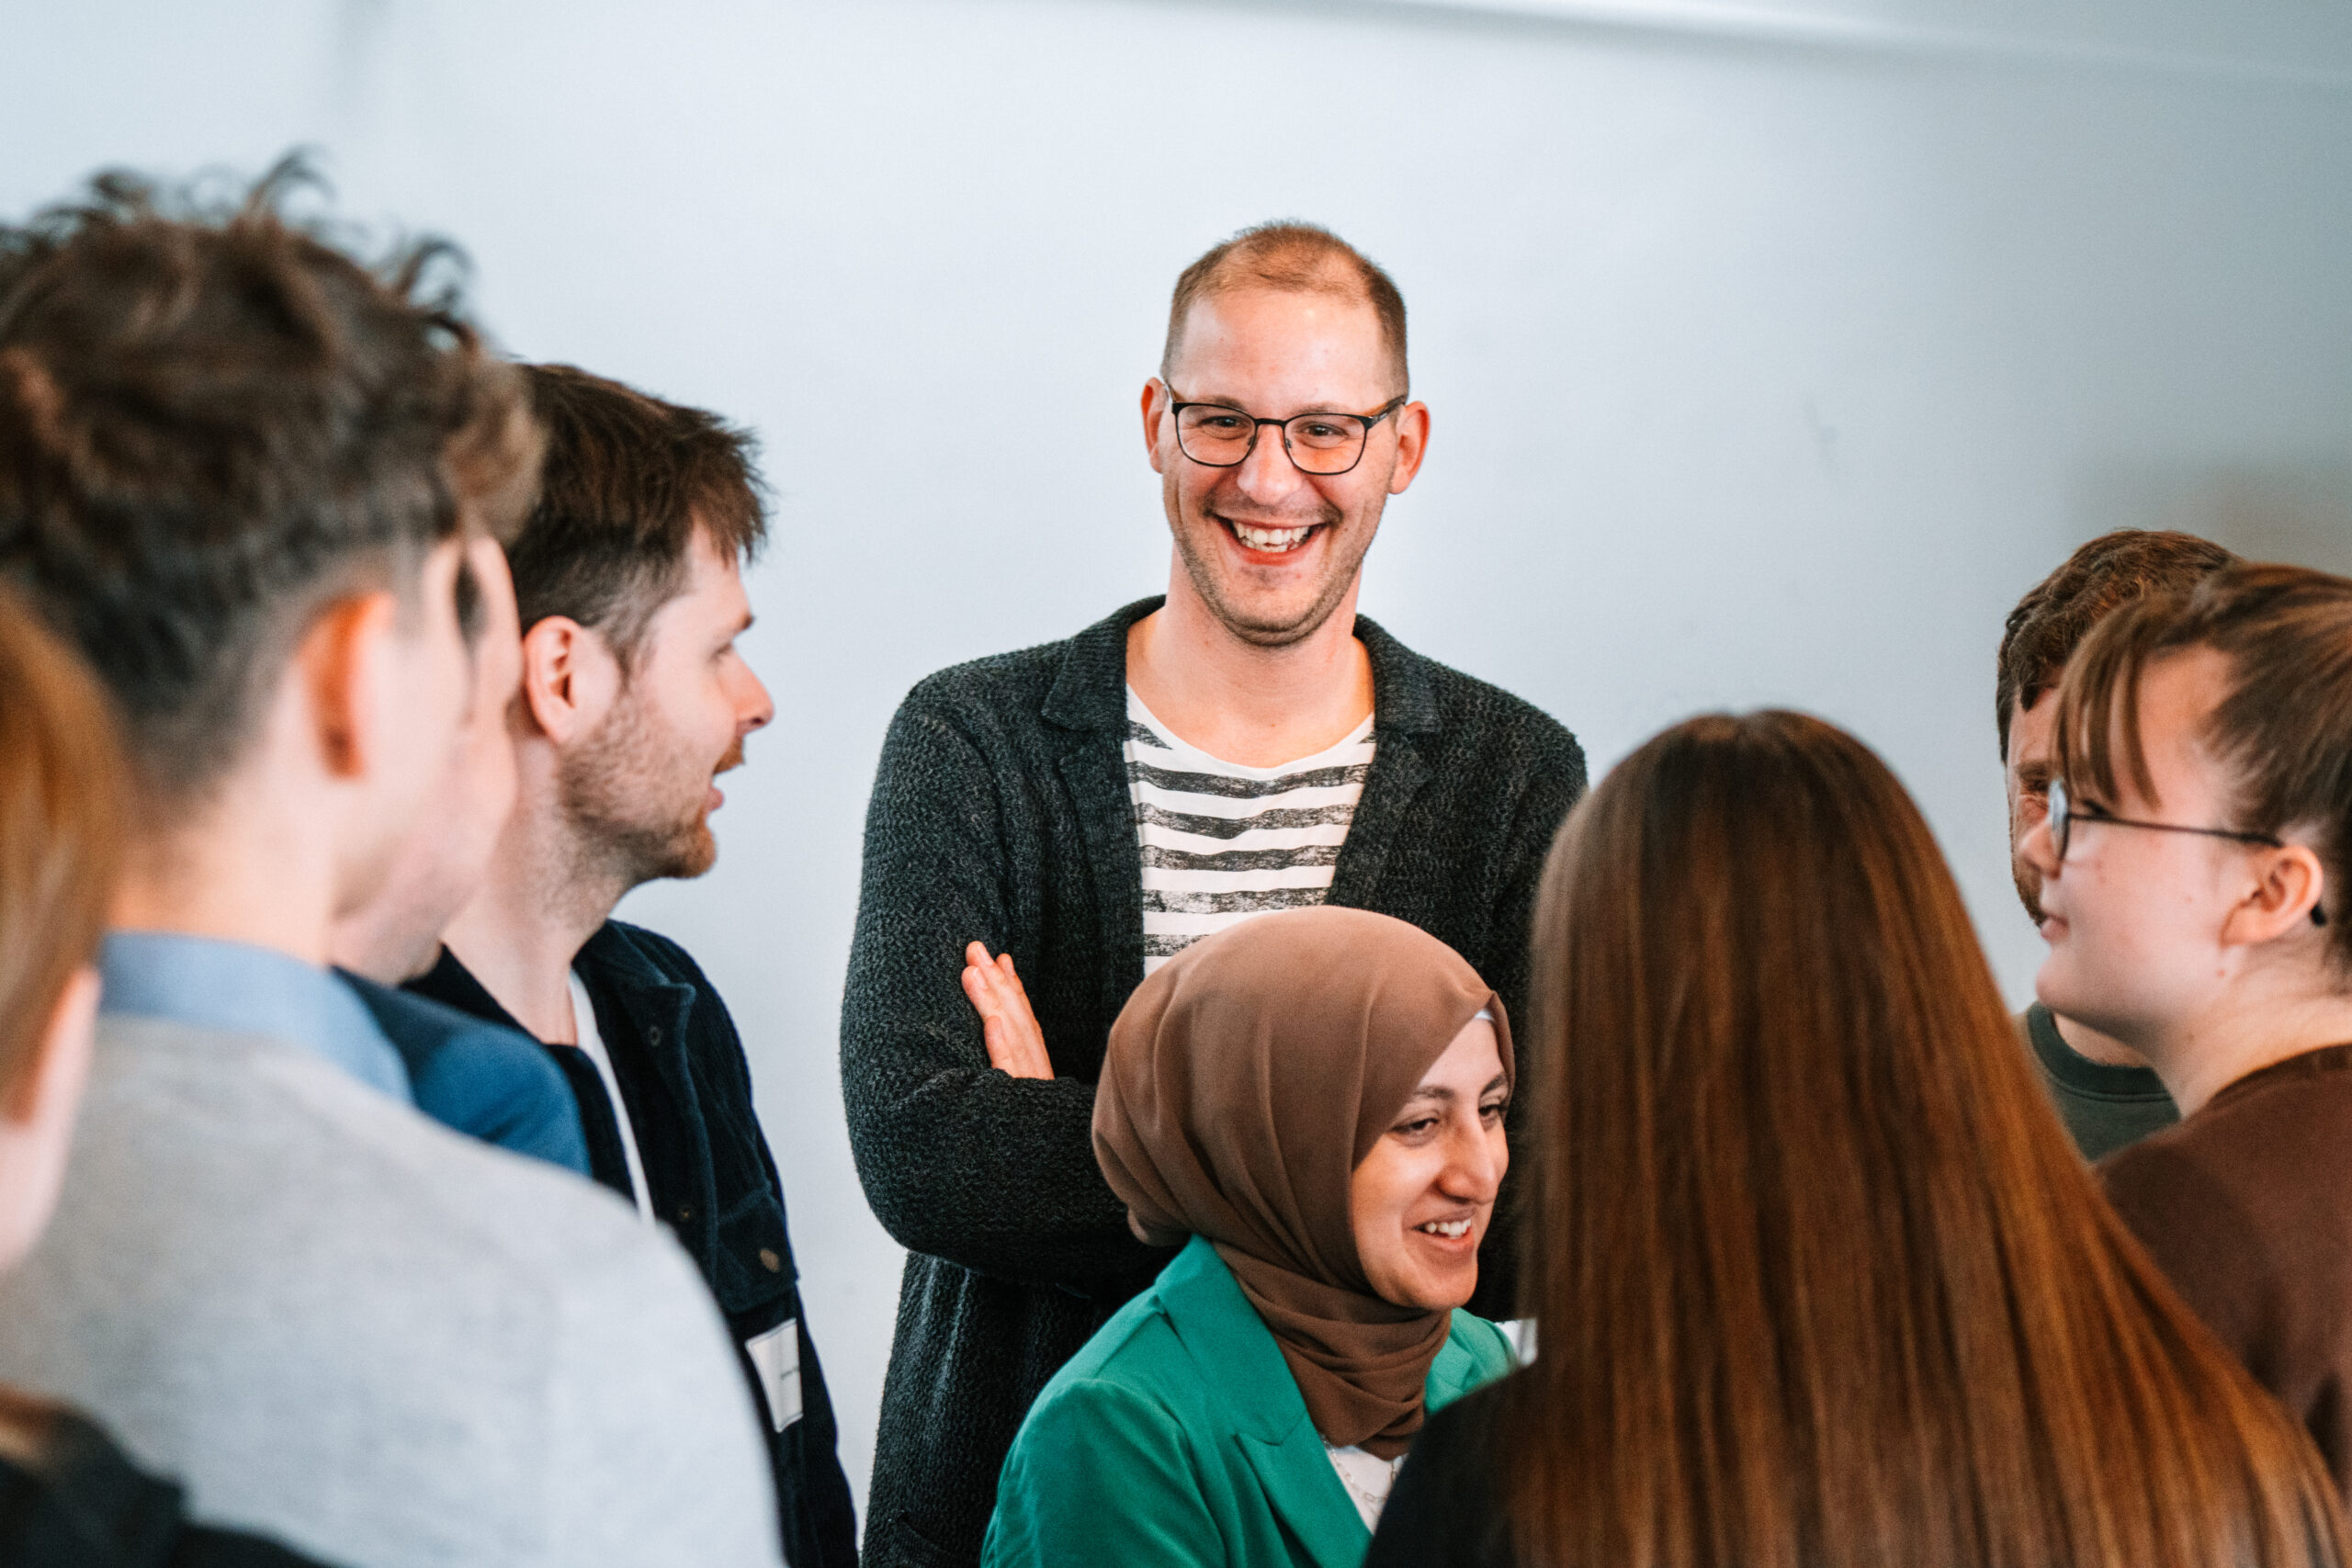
pixel 2053 925
pixel 1451 1231
pixel 1267 543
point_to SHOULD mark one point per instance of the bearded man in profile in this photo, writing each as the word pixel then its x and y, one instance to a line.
pixel 634 698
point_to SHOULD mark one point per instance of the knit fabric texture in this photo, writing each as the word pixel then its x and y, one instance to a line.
pixel 1002 814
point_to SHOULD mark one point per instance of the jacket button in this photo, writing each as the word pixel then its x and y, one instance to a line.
pixel 774 1264
pixel 686 1213
pixel 654 1035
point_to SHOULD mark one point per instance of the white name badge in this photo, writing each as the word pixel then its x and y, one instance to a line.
pixel 776 1356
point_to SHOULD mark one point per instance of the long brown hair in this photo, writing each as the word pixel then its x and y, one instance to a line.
pixel 61 829
pixel 1819 1279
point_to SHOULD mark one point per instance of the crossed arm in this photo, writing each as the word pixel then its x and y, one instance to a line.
pixel 970 1149
pixel 1008 1027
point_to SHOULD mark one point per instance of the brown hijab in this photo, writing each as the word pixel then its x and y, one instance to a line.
pixel 1245 1082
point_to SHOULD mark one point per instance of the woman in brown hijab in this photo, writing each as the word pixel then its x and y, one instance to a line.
pixel 1310 1105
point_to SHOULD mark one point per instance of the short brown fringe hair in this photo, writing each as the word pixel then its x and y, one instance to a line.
pixel 214 421
pixel 2283 731
pixel 2057 613
pixel 629 479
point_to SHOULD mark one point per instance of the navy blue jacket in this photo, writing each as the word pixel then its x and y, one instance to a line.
pixel 480 1079
pixel 688 1093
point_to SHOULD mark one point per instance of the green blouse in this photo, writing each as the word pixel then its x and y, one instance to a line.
pixel 1178 1436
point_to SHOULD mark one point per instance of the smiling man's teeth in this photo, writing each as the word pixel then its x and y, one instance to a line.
pixel 1446 1227
pixel 1275 539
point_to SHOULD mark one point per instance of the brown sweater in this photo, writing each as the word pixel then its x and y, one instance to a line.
pixel 2247 1207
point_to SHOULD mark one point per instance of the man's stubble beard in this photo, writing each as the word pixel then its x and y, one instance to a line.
pixel 625 795
pixel 1201 570
pixel 2028 882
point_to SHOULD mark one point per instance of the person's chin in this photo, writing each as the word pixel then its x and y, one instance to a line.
pixel 2059 987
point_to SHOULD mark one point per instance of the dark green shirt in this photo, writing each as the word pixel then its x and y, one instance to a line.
pixel 2105 1107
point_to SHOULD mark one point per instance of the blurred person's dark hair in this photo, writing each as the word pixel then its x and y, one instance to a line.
pixel 1294 257
pixel 1820 1279
pixel 61 823
pixel 628 480
pixel 2282 730
pixel 2057 613
pixel 214 422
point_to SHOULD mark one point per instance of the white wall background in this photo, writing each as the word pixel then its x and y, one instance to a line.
pixel 1773 351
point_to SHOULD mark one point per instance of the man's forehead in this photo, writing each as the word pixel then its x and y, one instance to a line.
pixel 2033 729
pixel 1300 338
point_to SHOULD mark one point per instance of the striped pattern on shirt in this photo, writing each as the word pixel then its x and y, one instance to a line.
pixel 1222 842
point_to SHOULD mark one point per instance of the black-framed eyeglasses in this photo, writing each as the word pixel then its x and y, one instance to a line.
pixel 1218 436
pixel 2064 814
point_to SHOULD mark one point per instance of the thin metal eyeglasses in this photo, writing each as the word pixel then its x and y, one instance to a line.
pixel 2064 815
pixel 1218 436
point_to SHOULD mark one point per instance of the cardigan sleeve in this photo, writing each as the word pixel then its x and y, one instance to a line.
pixel 1100 1473
pixel 959 1160
pixel 1553 792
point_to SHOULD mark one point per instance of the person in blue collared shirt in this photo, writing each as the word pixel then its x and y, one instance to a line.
pixel 245 474
pixel 480 1078
pixel 70 1497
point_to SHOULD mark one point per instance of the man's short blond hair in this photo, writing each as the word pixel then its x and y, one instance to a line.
pixel 1305 258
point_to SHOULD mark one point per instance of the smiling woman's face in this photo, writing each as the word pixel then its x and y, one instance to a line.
pixel 1420 1200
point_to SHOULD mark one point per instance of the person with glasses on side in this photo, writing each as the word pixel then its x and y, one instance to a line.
pixel 2106 1094
pixel 1050 827
pixel 1818 1278
pixel 2193 870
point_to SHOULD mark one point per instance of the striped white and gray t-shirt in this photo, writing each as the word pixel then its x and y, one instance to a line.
pixel 1222 842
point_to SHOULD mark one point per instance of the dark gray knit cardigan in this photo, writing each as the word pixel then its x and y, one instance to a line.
pixel 1000 814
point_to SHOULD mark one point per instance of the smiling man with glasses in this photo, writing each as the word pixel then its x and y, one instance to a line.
pixel 2192 871
pixel 1048 825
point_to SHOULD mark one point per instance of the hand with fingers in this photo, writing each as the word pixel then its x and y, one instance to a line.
pixel 1016 1046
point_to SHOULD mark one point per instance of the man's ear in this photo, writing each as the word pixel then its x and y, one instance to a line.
pixel 341 662
pixel 1156 402
pixel 569 678
pixel 1412 444
pixel 2288 883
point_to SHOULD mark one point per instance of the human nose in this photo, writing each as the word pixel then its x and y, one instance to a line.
pixel 753 706
pixel 2038 847
pixel 1267 474
pixel 1477 1158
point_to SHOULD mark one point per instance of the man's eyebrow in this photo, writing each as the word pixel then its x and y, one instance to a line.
pixel 2037 773
pixel 1236 405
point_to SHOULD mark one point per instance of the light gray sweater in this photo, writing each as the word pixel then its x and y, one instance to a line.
pixel 384 1344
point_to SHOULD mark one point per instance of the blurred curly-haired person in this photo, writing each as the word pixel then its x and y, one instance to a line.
pixel 238 471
